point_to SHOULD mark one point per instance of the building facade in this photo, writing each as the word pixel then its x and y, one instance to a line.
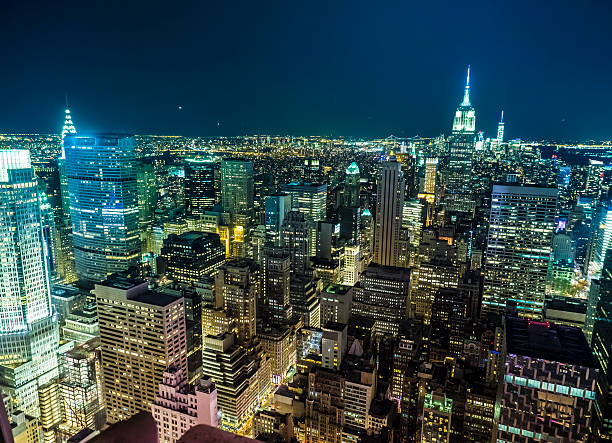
pixel 142 333
pixel 518 249
pixel 102 182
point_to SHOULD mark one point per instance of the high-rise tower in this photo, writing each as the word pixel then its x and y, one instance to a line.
pixel 462 143
pixel 199 185
pixel 102 182
pixel 29 334
pixel 68 125
pixel 311 200
pixel 389 203
pixel 351 185
pixel 518 248
pixel 237 189
pixel 500 129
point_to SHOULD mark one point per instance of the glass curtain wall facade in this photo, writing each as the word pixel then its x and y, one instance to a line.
pixel 102 182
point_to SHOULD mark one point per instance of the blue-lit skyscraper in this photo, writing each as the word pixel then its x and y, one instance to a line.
pixel 102 183
pixel 277 207
pixel 29 334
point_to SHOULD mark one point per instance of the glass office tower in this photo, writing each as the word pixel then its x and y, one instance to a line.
pixel 199 185
pixel 102 182
pixel 518 248
pixel 29 334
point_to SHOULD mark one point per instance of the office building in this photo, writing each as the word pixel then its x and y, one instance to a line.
pixel 235 375
pixel 437 414
pixel 549 383
pixel 382 295
pixel 518 249
pixel 352 265
pixel 81 325
pixel 359 391
pixel 199 185
pixel 276 208
pixel 431 171
pixel 324 415
pixel 389 201
pixel 102 182
pixel 350 222
pixel 279 343
pixel 427 279
pixel 304 299
pixel 296 237
pixel 29 330
pixel 311 200
pixel 352 186
pixel 81 388
pixel 275 286
pixel 192 256
pixel 600 317
pixel 333 345
pixel 147 194
pixel 142 333
pixel 238 284
pixel 336 303
pixel 272 424
pixel 179 405
pixel 237 190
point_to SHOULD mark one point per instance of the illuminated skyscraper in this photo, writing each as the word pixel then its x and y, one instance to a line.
pixel 102 182
pixel 276 209
pixel 63 239
pixel 599 319
pixel 518 249
pixel 29 333
pixel 68 125
pixel 462 143
pixel 389 201
pixel 296 239
pixel 237 189
pixel 431 168
pixel 275 285
pixel 81 387
pixel 352 186
pixel 192 256
pixel 500 129
pixel 142 333
pixel 238 285
pixel 199 185
pixel 311 200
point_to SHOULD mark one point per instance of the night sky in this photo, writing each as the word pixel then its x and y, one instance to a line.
pixel 352 68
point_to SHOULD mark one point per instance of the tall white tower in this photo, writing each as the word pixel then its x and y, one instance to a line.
pixel 29 333
pixel 500 129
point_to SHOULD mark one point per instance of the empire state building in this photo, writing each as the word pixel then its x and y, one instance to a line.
pixel 462 144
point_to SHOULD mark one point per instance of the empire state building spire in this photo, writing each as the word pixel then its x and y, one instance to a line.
pixel 466 94
pixel 465 116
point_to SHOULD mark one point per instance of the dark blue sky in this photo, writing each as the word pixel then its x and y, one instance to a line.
pixel 362 68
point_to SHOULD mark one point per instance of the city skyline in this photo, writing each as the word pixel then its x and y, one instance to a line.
pixel 422 269
pixel 341 72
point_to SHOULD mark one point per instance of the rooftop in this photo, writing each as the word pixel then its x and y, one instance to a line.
pixel 548 341
pixel 352 169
